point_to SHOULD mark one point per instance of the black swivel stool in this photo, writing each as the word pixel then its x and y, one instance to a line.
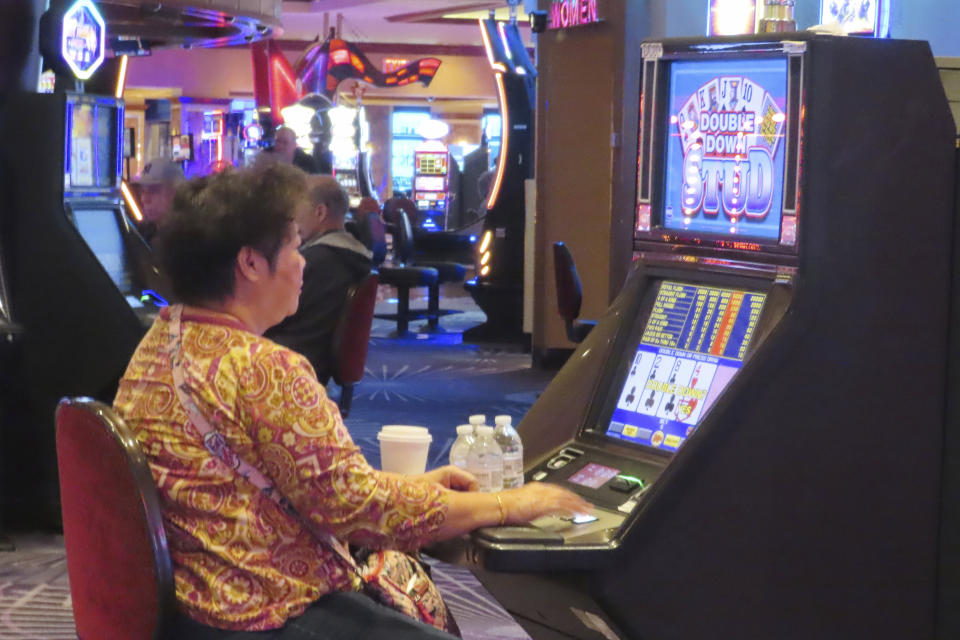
pixel 394 210
pixel 404 275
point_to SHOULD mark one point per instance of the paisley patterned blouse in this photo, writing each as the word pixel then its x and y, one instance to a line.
pixel 240 561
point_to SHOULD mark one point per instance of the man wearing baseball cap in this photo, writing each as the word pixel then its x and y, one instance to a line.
pixel 158 183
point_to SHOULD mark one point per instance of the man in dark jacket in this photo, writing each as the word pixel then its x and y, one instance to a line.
pixel 335 260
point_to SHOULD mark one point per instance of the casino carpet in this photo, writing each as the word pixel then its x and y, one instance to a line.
pixel 434 381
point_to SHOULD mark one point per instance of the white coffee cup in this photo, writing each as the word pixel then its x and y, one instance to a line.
pixel 404 448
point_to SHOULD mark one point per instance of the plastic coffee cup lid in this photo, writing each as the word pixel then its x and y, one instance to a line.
pixel 405 433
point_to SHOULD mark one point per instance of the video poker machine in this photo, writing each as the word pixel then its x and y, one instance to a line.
pixel 82 280
pixel 759 417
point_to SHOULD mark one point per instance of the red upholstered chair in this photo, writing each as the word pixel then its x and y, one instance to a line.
pixel 351 337
pixel 569 293
pixel 121 581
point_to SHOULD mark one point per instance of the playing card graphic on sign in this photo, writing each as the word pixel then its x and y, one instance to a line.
pixel 725 155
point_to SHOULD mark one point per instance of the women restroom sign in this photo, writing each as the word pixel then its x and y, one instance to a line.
pixel 572 13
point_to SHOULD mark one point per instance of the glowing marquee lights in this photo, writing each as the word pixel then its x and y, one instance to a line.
pixel 83 39
pixel 298 117
pixel 731 17
pixel 342 133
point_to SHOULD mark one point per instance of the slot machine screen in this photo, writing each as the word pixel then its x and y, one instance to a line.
pixel 181 147
pixel 692 346
pixel 93 139
pixel 428 183
pixel 432 163
pixel 101 231
pixel 725 152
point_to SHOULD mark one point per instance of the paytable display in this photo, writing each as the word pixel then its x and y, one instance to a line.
pixel 693 344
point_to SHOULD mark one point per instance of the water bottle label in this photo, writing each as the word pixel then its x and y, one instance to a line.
pixel 512 471
pixel 487 480
pixel 496 480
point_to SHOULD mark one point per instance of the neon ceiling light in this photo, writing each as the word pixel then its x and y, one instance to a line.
pixel 121 77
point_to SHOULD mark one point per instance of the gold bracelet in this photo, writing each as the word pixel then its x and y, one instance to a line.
pixel 503 512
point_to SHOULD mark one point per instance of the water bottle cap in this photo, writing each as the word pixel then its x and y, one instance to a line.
pixel 503 420
pixel 478 418
pixel 464 429
pixel 485 430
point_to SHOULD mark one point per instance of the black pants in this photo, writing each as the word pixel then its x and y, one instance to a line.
pixel 341 615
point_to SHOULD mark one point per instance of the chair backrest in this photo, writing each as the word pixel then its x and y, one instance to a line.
pixel 402 239
pixel 352 335
pixel 394 205
pixel 375 232
pixel 121 580
pixel 569 290
pixel 367 205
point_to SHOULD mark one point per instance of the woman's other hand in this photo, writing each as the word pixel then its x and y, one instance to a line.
pixel 537 499
pixel 451 477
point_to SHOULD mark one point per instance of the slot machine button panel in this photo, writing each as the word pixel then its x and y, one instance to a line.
pixel 564 457
pixel 622 485
pixel 628 506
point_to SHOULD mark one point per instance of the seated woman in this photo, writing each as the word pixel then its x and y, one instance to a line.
pixel 204 386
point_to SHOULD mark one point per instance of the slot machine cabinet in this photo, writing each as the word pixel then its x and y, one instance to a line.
pixel 803 500
pixel 431 172
pixel 78 274
pixel 949 577
pixel 498 288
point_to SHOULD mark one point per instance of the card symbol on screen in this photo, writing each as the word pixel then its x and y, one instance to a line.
pixel 650 400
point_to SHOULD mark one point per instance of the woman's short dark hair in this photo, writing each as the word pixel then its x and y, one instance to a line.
pixel 214 217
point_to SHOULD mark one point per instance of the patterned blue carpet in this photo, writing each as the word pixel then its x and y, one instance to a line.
pixel 434 381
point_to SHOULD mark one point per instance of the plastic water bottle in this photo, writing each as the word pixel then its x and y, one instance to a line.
pixel 485 461
pixel 477 420
pixel 461 446
pixel 512 449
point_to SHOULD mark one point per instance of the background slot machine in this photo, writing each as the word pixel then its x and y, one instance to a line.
pixel 431 170
pixel 759 417
pixel 503 284
pixel 81 278
pixel 344 138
